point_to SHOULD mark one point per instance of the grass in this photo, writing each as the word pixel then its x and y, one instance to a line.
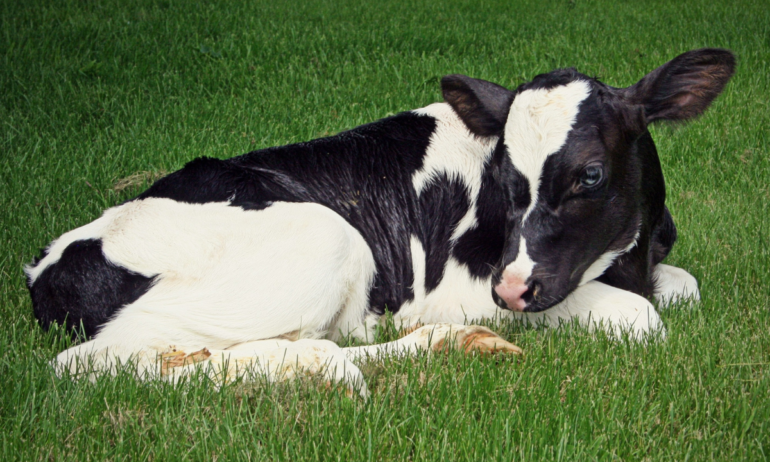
pixel 95 92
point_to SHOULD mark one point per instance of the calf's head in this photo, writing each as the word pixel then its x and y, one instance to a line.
pixel 577 167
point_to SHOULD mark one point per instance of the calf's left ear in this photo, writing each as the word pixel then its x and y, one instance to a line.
pixel 483 106
pixel 685 86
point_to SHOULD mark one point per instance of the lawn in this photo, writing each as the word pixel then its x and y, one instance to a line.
pixel 93 92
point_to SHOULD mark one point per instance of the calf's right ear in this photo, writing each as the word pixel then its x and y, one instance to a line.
pixel 685 86
pixel 483 106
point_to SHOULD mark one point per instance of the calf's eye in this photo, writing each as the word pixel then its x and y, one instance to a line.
pixel 592 176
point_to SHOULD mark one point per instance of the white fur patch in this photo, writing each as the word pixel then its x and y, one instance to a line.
pixel 459 297
pixel 419 262
pixel 538 124
pixel 604 261
pixel 92 230
pixel 455 152
pixel 523 265
pixel 674 284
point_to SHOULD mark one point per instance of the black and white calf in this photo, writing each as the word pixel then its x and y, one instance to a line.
pixel 546 202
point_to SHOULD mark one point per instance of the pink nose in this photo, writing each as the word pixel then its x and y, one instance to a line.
pixel 510 289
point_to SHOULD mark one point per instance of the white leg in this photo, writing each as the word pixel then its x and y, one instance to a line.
pixel 93 358
pixel 674 284
pixel 598 305
pixel 436 337
pixel 278 360
pixel 275 360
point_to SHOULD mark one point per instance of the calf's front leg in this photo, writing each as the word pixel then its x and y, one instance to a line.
pixel 437 337
pixel 600 306
pixel 674 284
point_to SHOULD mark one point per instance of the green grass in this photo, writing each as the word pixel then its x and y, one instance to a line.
pixel 92 92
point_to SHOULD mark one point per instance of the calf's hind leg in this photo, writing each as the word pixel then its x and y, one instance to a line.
pixel 242 276
pixel 275 360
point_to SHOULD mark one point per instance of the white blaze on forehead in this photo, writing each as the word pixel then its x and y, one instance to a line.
pixel 538 125
pixel 520 268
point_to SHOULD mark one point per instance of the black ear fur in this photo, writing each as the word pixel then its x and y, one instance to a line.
pixel 483 106
pixel 685 86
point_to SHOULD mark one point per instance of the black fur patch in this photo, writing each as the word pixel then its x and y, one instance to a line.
pixel 443 203
pixel 663 239
pixel 552 79
pixel 83 287
pixel 480 248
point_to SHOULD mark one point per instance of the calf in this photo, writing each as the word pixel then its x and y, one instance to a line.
pixel 545 202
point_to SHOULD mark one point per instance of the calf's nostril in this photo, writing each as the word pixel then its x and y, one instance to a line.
pixel 533 293
pixel 537 290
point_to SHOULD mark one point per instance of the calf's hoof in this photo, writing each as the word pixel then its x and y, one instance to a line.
pixel 463 338
pixel 483 340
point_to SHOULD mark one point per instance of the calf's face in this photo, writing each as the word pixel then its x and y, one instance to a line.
pixel 578 169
